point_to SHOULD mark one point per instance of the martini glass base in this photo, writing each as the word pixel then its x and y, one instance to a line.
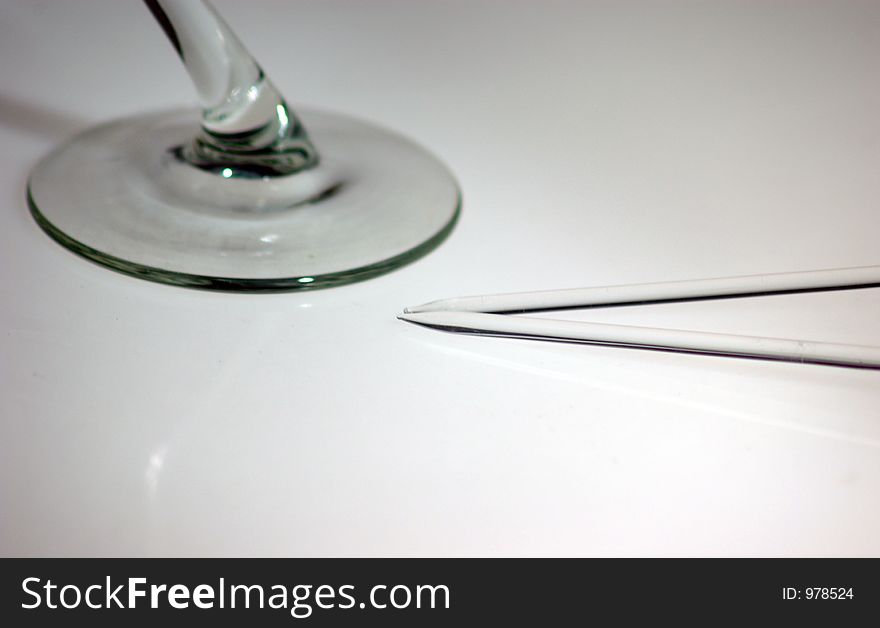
pixel 121 195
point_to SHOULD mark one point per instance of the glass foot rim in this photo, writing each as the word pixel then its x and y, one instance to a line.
pixel 237 284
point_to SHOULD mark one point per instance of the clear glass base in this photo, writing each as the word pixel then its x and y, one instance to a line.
pixel 122 195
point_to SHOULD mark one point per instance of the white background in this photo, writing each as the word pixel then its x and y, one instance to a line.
pixel 596 143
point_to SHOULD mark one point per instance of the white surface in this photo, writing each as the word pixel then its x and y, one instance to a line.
pixel 596 144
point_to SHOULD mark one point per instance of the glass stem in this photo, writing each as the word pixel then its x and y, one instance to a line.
pixel 247 127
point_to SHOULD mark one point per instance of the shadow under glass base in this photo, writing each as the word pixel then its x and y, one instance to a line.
pixel 121 195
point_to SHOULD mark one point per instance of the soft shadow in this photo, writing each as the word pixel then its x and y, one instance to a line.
pixel 37 119
pixel 711 394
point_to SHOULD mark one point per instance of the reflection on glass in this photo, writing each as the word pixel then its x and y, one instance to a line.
pixel 242 194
